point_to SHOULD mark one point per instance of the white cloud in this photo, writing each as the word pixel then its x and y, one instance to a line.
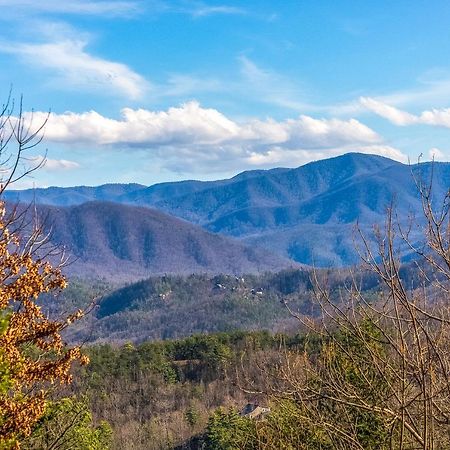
pixel 193 139
pixel 192 125
pixel 72 65
pixel 53 165
pixel 394 115
pixel 435 117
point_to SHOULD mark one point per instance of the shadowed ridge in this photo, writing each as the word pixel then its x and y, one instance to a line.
pixel 127 242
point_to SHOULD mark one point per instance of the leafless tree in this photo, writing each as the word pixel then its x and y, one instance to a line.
pixel 18 134
pixel 380 361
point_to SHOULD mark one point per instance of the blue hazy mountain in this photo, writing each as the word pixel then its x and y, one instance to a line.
pixel 124 242
pixel 307 213
pixel 76 195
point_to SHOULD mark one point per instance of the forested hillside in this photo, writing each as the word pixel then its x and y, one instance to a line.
pixel 159 395
pixel 175 306
pixel 124 243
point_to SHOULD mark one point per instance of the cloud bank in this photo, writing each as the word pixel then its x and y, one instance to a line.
pixel 192 138
pixel 190 124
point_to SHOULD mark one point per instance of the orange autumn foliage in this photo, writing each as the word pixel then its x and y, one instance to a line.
pixel 32 352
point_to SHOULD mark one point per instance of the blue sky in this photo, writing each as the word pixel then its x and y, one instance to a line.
pixel 150 91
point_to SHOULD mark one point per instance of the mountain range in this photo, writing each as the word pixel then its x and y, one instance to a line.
pixel 306 214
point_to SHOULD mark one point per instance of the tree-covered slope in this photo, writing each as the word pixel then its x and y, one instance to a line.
pixel 122 242
pixel 170 306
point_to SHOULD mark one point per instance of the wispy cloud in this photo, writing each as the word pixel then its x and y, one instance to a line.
pixel 72 66
pixel 431 88
pixel 249 81
pixel 197 9
pixel 272 87
pixel 182 85
pixel 192 138
pixel 434 117
pixel 394 115
pixel 200 10
pixel 118 8
pixel 53 165
pixel 83 7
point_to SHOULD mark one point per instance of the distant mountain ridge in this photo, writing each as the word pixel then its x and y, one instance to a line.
pixel 306 213
pixel 76 195
pixel 123 243
pixel 313 176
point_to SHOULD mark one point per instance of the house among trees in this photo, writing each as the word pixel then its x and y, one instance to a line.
pixel 254 411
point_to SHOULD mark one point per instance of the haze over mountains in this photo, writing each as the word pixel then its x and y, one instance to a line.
pixel 306 214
